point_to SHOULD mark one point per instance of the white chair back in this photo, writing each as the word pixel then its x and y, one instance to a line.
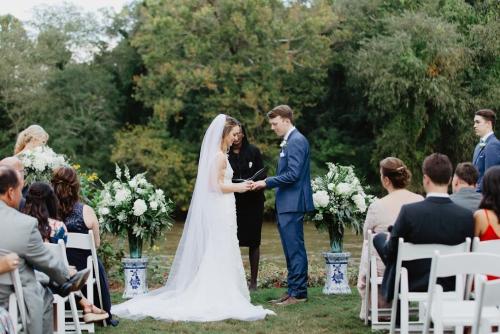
pixel 488 246
pixel 488 296
pixel 16 300
pixel 458 264
pixel 408 252
pixel 87 242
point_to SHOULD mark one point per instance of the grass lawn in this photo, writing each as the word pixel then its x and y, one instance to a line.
pixel 321 314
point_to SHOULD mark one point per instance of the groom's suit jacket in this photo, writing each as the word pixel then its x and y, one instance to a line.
pixel 486 156
pixel 293 179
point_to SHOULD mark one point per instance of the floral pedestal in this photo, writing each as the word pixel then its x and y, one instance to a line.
pixel 135 276
pixel 336 274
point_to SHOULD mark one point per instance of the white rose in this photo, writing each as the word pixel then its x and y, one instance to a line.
pixel 343 188
pixel 139 207
pixel 104 211
pixel 321 199
pixel 360 202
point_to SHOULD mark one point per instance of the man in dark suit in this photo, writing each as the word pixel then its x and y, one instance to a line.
pixel 293 200
pixel 464 185
pixel 487 151
pixel 436 220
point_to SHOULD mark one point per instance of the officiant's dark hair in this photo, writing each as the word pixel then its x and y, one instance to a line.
pixel 438 168
pixel 283 111
pixel 488 115
pixel 231 122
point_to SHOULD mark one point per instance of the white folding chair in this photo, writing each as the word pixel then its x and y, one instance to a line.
pixel 458 312
pixel 409 252
pixel 373 280
pixel 488 246
pixel 488 297
pixel 86 242
pixel 61 326
pixel 16 299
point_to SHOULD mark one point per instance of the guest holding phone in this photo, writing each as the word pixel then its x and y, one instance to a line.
pixel 246 162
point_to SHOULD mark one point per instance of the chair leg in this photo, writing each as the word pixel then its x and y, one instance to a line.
pixel 74 313
pixel 60 318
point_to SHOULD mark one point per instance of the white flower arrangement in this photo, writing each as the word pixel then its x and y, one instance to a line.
pixel 40 163
pixel 134 204
pixel 340 200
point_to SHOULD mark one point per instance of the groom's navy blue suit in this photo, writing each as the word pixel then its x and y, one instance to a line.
pixel 293 200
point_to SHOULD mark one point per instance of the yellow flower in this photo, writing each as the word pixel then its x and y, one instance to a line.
pixel 155 248
pixel 92 177
pixel 76 166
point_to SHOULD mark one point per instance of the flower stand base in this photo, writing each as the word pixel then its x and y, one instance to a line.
pixel 336 282
pixel 136 283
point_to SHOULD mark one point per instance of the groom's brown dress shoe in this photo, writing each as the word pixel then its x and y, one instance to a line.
pixel 280 299
pixel 292 301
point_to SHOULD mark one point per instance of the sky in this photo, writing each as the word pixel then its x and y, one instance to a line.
pixel 22 8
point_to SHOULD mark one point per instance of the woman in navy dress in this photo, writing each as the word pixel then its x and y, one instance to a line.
pixel 80 218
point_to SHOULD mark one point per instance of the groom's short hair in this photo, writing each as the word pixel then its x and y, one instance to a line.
pixel 283 111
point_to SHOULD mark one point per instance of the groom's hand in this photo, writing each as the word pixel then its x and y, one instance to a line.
pixel 259 185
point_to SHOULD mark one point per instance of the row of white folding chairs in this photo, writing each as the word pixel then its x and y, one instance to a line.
pixel 408 252
pixel 482 313
pixel 76 241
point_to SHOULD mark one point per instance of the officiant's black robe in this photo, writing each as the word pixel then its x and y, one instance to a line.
pixel 249 205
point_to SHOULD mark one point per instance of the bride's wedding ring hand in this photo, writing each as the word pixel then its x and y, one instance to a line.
pixel 245 186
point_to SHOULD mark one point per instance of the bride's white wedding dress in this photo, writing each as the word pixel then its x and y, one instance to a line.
pixel 207 281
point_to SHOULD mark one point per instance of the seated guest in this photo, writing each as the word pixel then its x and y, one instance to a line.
pixel 41 203
pixel 80 218
pixel 486 223
pixel 435 220
pixel 382 213
pixel 8 263
pixel 31 137
pixel 20 235
pixel 17 165
pixel 464 185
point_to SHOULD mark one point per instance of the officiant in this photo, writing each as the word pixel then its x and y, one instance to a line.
pixel 246 161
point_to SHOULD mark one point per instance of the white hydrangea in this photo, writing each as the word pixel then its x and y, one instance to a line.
pixel 104 211
pixel 321 199
pixel 122 195
pixel 139 207
pixel 360 202
pixel 153 205
pixel 132 183
pixel 344 188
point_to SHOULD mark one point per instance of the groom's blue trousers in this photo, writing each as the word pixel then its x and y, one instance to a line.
pixel 291 229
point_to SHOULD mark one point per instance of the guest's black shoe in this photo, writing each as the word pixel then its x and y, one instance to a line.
pixel 112 322
pixel 75 283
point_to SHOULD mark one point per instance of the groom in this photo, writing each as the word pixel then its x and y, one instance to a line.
pixel 293 200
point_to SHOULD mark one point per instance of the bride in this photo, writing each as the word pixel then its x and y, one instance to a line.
pixel 207 280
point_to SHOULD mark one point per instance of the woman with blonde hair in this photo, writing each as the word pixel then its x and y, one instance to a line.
pixel 382 213
pixel 31 137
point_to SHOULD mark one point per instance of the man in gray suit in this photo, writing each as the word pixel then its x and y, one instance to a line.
pixel 19 234
pixel 464 185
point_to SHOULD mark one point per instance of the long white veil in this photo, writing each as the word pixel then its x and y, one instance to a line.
pixel 194 236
